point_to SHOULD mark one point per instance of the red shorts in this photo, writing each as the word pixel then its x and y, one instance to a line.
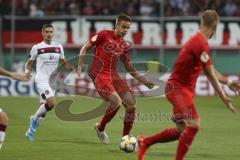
pixel 183 104
pixel 105 86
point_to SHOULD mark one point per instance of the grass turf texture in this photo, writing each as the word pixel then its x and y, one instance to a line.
pixel 218 139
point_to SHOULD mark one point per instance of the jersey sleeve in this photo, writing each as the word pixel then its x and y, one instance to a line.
pixel 205 56
pixel 97 38
pixel 61 52
pixel 202 53
pixel 33 53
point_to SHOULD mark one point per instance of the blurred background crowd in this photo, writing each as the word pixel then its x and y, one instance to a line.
pixel 36 8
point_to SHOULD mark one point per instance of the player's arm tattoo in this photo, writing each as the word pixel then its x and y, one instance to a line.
pixel 131 70
pixel 66 64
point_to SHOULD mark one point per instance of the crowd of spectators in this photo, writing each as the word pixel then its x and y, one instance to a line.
pixel 149 8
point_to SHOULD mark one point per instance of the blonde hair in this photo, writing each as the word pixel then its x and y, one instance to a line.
pixel 209 18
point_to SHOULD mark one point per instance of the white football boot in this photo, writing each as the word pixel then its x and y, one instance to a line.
pixel 103 137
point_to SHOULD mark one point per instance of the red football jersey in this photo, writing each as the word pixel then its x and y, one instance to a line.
pixel 190 62
pixel 108 48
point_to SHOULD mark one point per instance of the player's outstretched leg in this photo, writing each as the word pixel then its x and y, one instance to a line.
pixel 38 117
pixel 3 126
pixel 108 116
pixel 115 103
pixel 167 135
pixel 100 127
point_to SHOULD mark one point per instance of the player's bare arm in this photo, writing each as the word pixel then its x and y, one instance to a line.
pixel 82 55
pixel 16 76
pixel 211 75
pixel 66 64
pixel 131 70
pixel 233 85
pixel 28 66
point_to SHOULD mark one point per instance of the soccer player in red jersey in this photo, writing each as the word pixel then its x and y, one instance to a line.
pixel 3 115
pixel 194 56
pixel 109 46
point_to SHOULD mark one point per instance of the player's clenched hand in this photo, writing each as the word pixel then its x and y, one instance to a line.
pixel 26 77
pixel 229 104
pixel 78 70
pixel 149 84
pixel 21 77
pixel 235 86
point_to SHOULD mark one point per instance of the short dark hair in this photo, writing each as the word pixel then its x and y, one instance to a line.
pixel 46 26
pixel 209 18
pixel 123 17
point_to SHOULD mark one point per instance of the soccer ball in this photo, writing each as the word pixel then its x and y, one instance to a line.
pixel 128 143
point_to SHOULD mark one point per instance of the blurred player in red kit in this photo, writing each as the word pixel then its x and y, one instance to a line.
pixel 109 46
pixel 193 57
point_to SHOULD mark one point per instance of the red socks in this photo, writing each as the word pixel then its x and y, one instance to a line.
pixel 110 113
pixel 168 135
pixel 128 122
pixel 185 142
pixel 171 134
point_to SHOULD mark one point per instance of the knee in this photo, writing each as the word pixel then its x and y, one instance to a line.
pixel 117 103
pixel 130 109
pixel 3 118
pixel 51 103
pixel 129 102
pixel 188 123
pixel 195 123
pixel 180 127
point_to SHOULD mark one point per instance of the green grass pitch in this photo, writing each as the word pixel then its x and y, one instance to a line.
pixel 218 139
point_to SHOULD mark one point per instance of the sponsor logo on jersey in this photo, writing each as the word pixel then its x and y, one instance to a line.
pixel 49 50
pixel 52 57
pixel 57 50
pixel 47 92
pixel 109 46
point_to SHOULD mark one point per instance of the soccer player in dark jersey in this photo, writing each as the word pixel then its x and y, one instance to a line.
pixel 193 57
pixel 3 115
pixel 109 46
